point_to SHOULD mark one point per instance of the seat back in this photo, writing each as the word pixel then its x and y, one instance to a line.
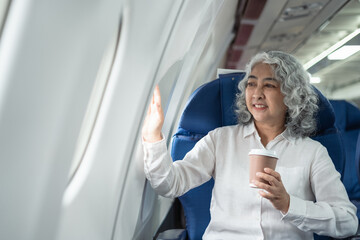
pixel 212 106
pixel 347 119
pixel 357 166
pixel 347 115
pixel 209 107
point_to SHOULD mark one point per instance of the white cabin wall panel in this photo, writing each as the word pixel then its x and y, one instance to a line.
pixel 217 45
pixel 212 52
pixel 183 34
pixel 188 38
pixel 4 4
pixel 180 41
pixel 92 198
pixel 208 10
pixel 49 55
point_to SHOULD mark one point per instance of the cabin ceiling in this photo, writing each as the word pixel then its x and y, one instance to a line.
pixel 304 28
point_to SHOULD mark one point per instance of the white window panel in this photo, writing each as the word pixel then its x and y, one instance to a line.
pixel 49 55
pixel 97 187
pixel 194 26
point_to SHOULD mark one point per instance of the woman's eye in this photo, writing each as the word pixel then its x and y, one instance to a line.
pixel 250 84
pixel 270 86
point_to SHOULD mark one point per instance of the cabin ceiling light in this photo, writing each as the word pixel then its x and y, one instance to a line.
pixel 315 80
pixel 344 52
pixel 331 49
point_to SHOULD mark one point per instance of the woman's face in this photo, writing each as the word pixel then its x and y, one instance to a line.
pixel 264 99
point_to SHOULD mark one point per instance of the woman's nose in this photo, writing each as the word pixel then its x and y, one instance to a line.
pixel 258 93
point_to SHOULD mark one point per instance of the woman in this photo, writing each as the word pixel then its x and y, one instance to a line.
pixel 276 111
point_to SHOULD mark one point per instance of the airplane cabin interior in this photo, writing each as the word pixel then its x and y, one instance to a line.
pixel 76 79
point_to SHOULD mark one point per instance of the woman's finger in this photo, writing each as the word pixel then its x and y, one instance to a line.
pixel 148 111
pixel 275 192
pixel 273 173
pixel 266 195
pixel 157 96
pixel 273 181
pixel 262 185
pixel 154 119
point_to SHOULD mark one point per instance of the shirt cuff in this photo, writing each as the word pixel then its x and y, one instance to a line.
pixel 154 149
pixel 154 154
pixel 296 212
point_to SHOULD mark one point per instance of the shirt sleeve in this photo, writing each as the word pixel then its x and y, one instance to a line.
pixel 332 214
pixel 173 179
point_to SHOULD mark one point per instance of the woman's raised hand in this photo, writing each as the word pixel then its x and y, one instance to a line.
pixel 154 119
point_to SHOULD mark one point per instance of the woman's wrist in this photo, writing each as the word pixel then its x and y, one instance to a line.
pixel 287 205
pixel 151 138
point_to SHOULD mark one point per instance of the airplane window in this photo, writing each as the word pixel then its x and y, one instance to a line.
pixel 94 103
pixel 167 83
pixel 197 50
pixel 4 8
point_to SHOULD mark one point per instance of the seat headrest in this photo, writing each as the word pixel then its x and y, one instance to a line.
pixel 202 111
pixel 212 106
pixel 347 115
pixel 325 117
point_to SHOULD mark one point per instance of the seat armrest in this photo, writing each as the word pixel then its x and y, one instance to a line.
pixel 172 234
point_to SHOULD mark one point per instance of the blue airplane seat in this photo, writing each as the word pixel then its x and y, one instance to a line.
pixel 347 120
pixel 212 106
pixel 357 166
pixel 209 107
pixel 347 115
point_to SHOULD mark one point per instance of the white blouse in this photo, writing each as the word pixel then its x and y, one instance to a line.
pixel 318 199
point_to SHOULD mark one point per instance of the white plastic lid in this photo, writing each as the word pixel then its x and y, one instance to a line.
pixel 263 152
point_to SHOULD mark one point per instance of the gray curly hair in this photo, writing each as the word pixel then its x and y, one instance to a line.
pixel 299 97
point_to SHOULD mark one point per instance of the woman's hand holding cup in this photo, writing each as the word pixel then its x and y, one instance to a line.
pixel 154 120
pixel 262 175
pixel 275 190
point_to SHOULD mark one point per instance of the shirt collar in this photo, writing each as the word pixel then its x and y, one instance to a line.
pixel 286 135
pixel 250 129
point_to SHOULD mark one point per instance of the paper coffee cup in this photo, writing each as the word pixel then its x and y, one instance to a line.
pixel 258 160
